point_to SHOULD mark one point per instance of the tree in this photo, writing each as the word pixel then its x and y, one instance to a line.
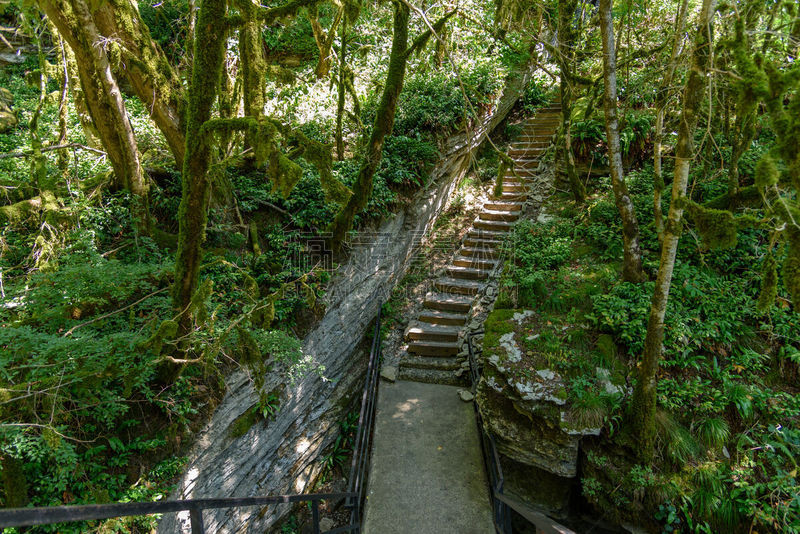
pixel 567 36
pixel 384 120
pixel 74 21
pixel 324 39
pixel 209 51
pixel 632 263
pixel 662 99
pixel 384 117
pixel 643 403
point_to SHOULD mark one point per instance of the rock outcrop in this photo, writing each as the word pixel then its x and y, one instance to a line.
pixel 279 456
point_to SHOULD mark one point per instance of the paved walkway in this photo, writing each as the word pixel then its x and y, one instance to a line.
pixel 427 474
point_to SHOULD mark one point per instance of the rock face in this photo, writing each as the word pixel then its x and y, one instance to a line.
pixel 526 411
pixel 279 456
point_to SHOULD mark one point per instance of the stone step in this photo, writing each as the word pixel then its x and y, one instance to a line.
pixel 510 197
pixel 441 317
pixel 485 253
pixel 458 286
pixel 503 206
pixel 434 348
pixel 543 143
pixel 517 178
pixel 509 188
pixel 468 273
pixel 526 163
pixel 473 242
pixel 475 263
pixel 515 150
pixel 500 226
pixel 536 133
pixel 448 303
pixel 475 233
pixel 430 332
pixel 545 118
pixel 496 215
pixel 528 149
pixel 432 376
pixel 430 362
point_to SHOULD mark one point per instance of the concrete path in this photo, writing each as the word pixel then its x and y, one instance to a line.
pixel 427 474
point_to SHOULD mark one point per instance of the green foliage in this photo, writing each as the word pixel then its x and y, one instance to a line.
pixel 769 284
pixel 534 97
pixel 535 250
pixel 431 104
pixel 406 161
pixel 717 228
pixel 342 447
pixel 166 21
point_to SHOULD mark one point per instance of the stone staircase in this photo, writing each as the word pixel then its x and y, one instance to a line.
pixel 436 348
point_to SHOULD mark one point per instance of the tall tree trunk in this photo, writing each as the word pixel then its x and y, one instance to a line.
pixel 251 59
pixel 324 39
pixel 63 83
pixel 38 162
pixel 79 100
pixel 146 67
pixel 661 106
pixel 643 403
pixel 384 120
pixel 340 86
pixel 565 55
pixel 209 52
pixel 103 97
pixel 632 262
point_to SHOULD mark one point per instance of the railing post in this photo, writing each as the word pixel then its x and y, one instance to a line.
pixel 196 518
pixel 315 516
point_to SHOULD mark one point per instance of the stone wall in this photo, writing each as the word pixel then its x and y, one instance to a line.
pixel 279 456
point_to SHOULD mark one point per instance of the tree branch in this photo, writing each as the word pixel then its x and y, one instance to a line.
pixel 423 38
pixel 109 314
pixel 28 153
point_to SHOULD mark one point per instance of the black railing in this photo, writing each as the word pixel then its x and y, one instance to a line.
pixel 23 517
pixel 501 511
pixel 366 418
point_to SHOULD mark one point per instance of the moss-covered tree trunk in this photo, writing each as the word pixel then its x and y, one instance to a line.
pixel 146 67
pixel 384 120
pixel 209 52
pixel 79 100
pixel 15 487
pixel 324 39
pixel 251 60
pixel 103 97
pixel 565 57
pixel 658 130
pixel 63 93
pixel 632 261
pixel 643 403
pixel 340 87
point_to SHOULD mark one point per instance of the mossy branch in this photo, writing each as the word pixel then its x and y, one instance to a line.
pixel 420 42
pixel 269 16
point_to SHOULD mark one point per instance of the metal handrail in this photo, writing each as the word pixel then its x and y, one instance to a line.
pixel 366 417
pixel 46 515
pixel 491 459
